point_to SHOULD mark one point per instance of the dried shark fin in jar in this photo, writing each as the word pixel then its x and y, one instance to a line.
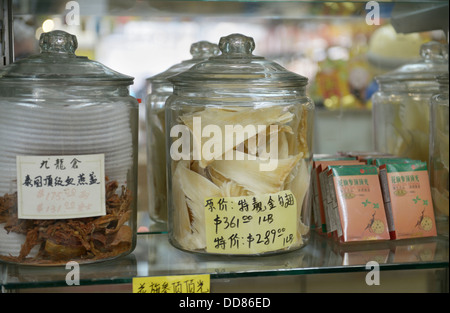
pixel 181 216
pixel 246 171
pixel 248 124
pixel 298 137
pixel 265 150
pixel 193 188
pixel 239 123
pixel 232 189
pixel 228 187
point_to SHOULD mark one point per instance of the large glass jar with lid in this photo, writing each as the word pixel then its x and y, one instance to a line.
pixel 239 134
pixel 68 158
pixel 401 107
pixel 159 89
pixel 439 147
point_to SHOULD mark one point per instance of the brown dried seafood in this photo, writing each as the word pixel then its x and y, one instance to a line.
pixel 194 180
pixel 81 239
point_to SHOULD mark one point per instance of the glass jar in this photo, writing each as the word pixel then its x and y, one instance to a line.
pixel 159 89
pixel 439 147
pixel 238 155
pixel 68 158
pixel 401 106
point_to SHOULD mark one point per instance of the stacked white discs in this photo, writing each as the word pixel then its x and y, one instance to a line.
pixel 66 130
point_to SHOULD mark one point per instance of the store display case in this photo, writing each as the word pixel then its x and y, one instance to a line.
pixel 337 45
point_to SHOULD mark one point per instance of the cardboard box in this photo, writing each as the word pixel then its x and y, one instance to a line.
pixel 317 190
pixel 359 203
pixel 407 199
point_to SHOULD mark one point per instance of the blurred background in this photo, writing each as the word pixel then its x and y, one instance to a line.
pixel 331 43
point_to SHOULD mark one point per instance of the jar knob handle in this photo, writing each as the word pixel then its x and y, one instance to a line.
pixel 58 41
pixel 204 49
pixel 236 44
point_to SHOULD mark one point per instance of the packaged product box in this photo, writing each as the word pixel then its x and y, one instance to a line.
pixel 359 203
pixel 317 160
pixel 317 199
pixel 326 204
pixel 407 199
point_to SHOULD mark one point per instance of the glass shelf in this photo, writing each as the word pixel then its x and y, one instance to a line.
pixel 154 256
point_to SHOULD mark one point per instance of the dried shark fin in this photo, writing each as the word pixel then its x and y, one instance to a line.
pixel 181 217
pixel 194 166
pixel 260 144
pixel 216 177
pixel 194 188
pixel 243 123
pixel 247 172
pixel 228 187
pixel 232 189
pixel 281 150
pixel 298 139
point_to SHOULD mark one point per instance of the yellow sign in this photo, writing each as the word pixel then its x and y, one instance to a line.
pixel 172 284
pixel 251 224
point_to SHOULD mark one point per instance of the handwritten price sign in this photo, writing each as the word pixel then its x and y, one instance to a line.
pixel 60 187
pixel 251 224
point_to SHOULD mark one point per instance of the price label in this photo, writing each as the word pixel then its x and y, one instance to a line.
pixel 251 224
pixel 60 187
pixel 172 284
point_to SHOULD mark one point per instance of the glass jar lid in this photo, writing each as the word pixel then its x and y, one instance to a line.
pixel 434 62
pixel 58 63
pixel 200 51
pixel 237 66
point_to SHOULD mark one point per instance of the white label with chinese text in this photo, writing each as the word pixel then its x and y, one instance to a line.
pixel 61 187
pixel 251 224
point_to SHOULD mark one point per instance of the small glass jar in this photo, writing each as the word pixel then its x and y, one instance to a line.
pixel 68 158
pixel 401 106
pixel 159 89
pixel 238 155
pixel 439 147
